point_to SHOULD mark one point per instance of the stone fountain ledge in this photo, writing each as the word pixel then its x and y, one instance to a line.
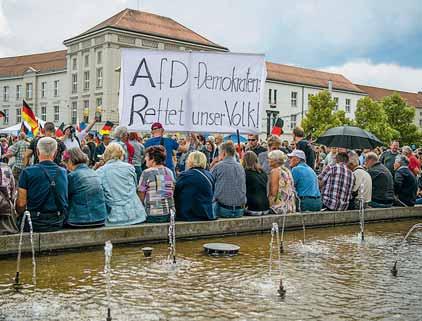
pixel 68 239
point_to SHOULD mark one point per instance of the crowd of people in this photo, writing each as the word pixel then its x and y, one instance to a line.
pixel 78 180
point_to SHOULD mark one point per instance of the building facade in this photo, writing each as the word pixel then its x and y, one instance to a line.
pixel 64 85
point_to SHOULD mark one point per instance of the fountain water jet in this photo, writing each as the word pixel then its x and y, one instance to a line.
pixel 275 233
pixel 26 216
pixel 108 252
pixel 394 269
pixel 303 228
pixel 172 238
pixel 362 214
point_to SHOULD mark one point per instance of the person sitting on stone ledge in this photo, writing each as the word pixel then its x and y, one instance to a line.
pixel 194 190
pixel 256 186
pixel 281 189
pixel 405 183
pixel 7 201
pixel 362 186
pixel 336 183
pixel 43 190
pixel 306 182
pixel 118 180
pixel 382 182
pixel 86 196
pixel 230 184
pixel 156 186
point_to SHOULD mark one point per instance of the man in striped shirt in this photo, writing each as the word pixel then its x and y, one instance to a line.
pixel 336 183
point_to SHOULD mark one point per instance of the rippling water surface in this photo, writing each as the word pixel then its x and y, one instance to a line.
pixel 332 276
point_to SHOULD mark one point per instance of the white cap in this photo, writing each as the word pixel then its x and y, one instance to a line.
pixel 298 153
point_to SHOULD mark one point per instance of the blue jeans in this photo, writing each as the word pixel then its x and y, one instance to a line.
pixel 379 205
pixel 308 204
pixel 226 213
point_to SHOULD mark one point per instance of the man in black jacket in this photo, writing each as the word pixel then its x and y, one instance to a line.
pixel 303 144
pixel 382 182
pixel 405 184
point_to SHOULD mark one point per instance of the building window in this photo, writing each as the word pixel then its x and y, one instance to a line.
pixel 99 57
pixel 86 80
pixel 86 104
pixel 44 113
pixel 18 115
pixel 272 96
pixel 270 91
pixel 6 93
pixel 336 100
pixel 99 77
pixel 420 122
pixel 74 64
pixel 293 121
pixel 43 89
pixel 74 83
pixel 6 116
pixel 29 90
pixel 56 88
pixel 56 113
pixel 86 61
pixel 309 100
pixel 99 101
pixel 275 96
pixel 347 105
pixel 74 112
pixel 18 92
pixel 293 98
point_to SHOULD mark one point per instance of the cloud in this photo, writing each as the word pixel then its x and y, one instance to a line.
pixel 391 76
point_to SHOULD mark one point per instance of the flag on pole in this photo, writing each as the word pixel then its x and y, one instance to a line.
pixel 81 126
pixel 59 131
pixel 278 127
pixel 106 130
pixel 29 116
pixel 24 129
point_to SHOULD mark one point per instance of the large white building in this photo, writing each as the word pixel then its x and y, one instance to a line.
pixel 61 85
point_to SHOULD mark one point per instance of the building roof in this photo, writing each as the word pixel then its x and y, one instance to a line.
pixel 151 24
pixel 42 62
pixel 296 75
pixel 376 93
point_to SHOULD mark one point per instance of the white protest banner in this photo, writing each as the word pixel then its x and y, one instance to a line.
pixel 191 91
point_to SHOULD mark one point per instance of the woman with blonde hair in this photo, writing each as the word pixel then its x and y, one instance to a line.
pixel 194 190
pixel 256 186
pixel 118 180
pixel 281 195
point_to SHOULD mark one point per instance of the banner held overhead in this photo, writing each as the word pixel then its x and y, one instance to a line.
pixel 191 91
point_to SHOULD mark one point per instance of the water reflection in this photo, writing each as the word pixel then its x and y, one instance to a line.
pixel 333 276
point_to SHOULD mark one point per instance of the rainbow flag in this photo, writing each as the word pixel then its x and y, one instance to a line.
pixel 29 116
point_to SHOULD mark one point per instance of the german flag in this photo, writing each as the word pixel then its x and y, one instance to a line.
pixel 59 131
pixel 29 116
pixel 278 127
pixel 106 130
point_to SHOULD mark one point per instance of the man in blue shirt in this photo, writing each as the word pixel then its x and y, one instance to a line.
pixel 43 189
pixel 306 182
pixel 157 132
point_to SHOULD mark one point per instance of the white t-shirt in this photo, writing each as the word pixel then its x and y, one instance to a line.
pixel 75 143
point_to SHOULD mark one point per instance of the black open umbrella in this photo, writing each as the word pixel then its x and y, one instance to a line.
pixel 349 137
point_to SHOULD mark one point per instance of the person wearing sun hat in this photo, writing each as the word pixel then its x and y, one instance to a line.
pixel 306 182
pixel 170 145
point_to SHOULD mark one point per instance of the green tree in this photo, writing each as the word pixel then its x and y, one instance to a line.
pixel 401 118
pixel 371 116
pixel 321 115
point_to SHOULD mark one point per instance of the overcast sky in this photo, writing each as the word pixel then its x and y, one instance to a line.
pixel 377 42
